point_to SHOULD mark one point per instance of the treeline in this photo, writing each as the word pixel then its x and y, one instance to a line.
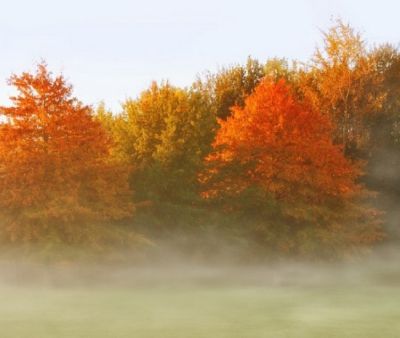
pixel 274 158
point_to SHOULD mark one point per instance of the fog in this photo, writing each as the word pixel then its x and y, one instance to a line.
pixel 178 297
pixel 380 266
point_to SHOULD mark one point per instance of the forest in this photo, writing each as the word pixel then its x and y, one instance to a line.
pixel 261 160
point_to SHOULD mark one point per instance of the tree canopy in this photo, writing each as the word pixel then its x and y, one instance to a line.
pixel 56 173
pixel 274 156
pixel 284 149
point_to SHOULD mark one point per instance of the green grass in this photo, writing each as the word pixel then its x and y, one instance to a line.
pixel 246 310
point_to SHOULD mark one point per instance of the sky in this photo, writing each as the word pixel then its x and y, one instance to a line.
pixel 112 50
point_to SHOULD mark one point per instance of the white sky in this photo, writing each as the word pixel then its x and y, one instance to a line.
pixel 111 50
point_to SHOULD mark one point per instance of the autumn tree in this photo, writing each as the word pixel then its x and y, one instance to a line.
pixel 230 86
pixel 165 133
pixel 276 69
pixel 384 146
pixel 116 127
pixel 342 83
pixel 57 179
pixel 279 151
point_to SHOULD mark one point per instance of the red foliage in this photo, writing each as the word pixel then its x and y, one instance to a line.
pixel 54 162
pixel 285 147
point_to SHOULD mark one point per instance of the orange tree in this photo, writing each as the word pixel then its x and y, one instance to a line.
pixel 344 82
pixel 275 158
pixel 57 179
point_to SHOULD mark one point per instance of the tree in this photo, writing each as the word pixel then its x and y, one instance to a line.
pixel 167 131
pixel 279 68
pixel 384 146
pixel 281 149
pixel 116 126
pixel 343 84
pixel 57 178
pixel 230 86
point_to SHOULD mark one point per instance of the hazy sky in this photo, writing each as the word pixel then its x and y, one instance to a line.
pixel 111 50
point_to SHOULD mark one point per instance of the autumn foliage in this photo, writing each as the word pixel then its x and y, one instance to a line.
pixel 275 157
pixel 343 82
pixel 284 149
pixel 56 174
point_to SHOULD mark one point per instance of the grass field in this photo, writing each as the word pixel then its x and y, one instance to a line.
pixel 292 301
pixel 202 312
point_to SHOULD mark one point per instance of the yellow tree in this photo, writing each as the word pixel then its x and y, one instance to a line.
pixel 167 132
pixel 342 83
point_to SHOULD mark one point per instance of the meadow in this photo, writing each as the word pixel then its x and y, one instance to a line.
pixel 356 299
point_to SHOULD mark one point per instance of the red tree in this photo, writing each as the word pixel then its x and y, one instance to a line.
pixel 284 149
